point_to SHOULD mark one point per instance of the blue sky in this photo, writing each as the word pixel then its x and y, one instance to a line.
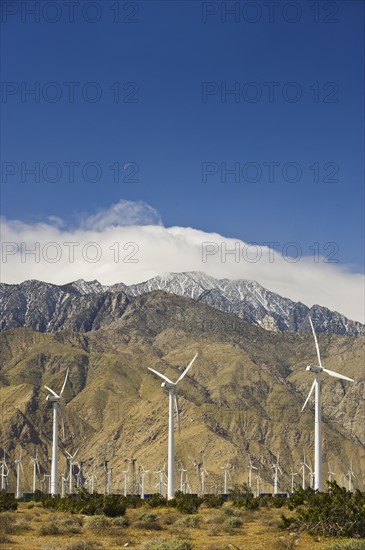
pixel 165 124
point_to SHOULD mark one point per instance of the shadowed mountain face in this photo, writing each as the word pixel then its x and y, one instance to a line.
pixel 86 306
pixel 242 397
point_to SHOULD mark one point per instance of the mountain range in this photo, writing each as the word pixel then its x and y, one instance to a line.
pixel 88 305
pixel 242 399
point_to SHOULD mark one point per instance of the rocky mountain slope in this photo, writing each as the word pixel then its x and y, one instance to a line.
pixel 241 399
pixel 85 306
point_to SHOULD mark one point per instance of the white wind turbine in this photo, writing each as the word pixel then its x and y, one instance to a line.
pixel 276 468
pixel 292 475
pixel 258 483
pixel 182 476
pixel 303 466
pixel 317 369
pixel 161 474
pixel 143 475
pixel 350 474
pixel 19 466
pixel 330 473
pixel 173 401
pixel 56 400
pixel 36 469
pixel 4 476
pixel 227 467
pixel 125 472
pixel 250 468
pixel 70 458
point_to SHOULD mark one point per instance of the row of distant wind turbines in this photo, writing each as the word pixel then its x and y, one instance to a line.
pixel 135 484
pixel 57 402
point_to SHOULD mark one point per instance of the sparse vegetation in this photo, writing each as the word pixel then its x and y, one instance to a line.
pixel 336 513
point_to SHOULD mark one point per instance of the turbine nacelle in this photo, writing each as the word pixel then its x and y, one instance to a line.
pixel 53 398
pixel 314 368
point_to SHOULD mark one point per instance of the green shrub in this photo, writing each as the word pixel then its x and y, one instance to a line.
pixel 7 502
pixel 337 513
pixel 84 545
pixel 213 501
pixel 233 521
pixel 186 504
pixel 347 544
pixel 156 500
pixel 148 516
pixel 120 521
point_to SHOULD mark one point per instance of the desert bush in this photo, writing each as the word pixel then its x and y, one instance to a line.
pixel 215 519
pixel 337 513
pixel 189 521
pixel 169 544
pixel 49 528
pixel 156 500
pixel 213 501
pixel 7 502
pixel 233 521
pixel 120 521
pixel 84 545
pixel 30 505
pixel 148 516
pixel 347 544
pixel 97 524
pixel 7 526
pixel 185 503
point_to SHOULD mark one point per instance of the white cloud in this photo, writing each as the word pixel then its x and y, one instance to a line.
pixel 116 245
pixel 122 214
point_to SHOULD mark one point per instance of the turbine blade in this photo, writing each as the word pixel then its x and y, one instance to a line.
pixel 177 413
pixel 49 389
pixel 309 394
pixel 187 368
pixel 64 384
pixel 161 375
pixel 336 375
pixel 316 341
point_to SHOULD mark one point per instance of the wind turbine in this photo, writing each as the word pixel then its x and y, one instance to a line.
pixel 35 469
pixel 19 466
pixel 250 468
pixel 317 369
pixel 4 475
pixel 161 473
pixel 350 474
pixel 303 466
pixel 143 473
pixel 226 467
pixel 125 472
pixel 71 457
pixel 292 474
pixel 173 401
pixel 258 483
pixel 63 485
pixel 276 468
pixel 182 475
pixel 330 473
pixel 56 400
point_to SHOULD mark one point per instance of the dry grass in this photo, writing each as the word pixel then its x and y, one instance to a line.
pixel 40 529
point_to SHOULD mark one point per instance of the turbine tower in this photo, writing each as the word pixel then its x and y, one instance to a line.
pixel 350 474
pixel 56 401
pixel 277 469
pixel 330 473
pixel 250 468
pixel 19 466
pixel 4 475
pixel 227 466
pixel 317 369
pixel 171 387
pixel 71 457
pixel 292 474
pixel 303 466
pixel 35 469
